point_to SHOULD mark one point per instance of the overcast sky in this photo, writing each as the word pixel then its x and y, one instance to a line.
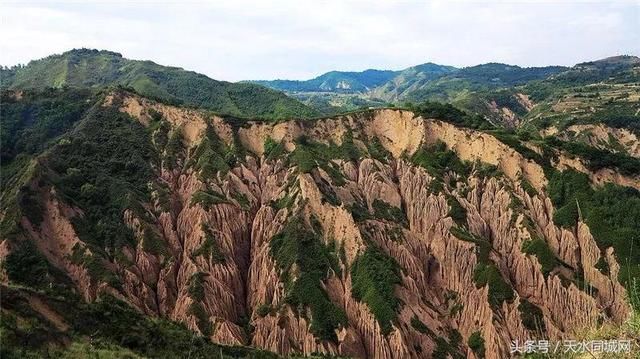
pixel 237 40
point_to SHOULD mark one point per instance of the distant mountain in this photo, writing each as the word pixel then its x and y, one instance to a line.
pixel 335 81
pixel 338 91
pixel 410 80
pixel 94 68
pixel 623 68
pixel 417 83
pixel 480 77
pixel 503 93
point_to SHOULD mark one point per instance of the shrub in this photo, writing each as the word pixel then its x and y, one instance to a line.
pixel 212 155
pixel 207 198
pixel 476 344
pixel 173 148
pixel 456 211
pixel 34 123
pixel 273 149
pixel 209 248
pixel 112 154
pixel 113 321
pixel 449 113
pixel 31 206
pixel 310 154
pixel 152 243
pixel 602 266
pixel 483 246
pixel 448 349
pixel 611 212
pixel 263 310
pixel 597 158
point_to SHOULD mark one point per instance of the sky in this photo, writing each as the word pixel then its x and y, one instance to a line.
pixel 258 39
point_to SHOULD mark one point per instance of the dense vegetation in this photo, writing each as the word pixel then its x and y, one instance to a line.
pixel 106 328
pixel 301 247
pixel 374 275
pixel 32 121
pixel 611 212
pixel 449 113
pixel 25 265
pixel 31 124
pixel 104 169
pixel 476 344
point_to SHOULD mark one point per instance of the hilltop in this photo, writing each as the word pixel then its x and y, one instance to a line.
pixel 99 68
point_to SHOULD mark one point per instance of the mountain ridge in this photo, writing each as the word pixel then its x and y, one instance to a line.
pixel 344 81
pixel 100 68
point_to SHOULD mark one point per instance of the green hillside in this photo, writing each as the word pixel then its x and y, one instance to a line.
pixel 93 68
pixel 476 78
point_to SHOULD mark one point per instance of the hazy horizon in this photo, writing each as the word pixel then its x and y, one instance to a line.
pixel 301 40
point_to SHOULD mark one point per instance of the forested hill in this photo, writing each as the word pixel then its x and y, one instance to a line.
pixel 95 69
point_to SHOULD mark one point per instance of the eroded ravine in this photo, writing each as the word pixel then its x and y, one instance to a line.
pixel 205 252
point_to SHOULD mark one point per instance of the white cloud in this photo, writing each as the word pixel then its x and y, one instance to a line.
pixel 234 40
